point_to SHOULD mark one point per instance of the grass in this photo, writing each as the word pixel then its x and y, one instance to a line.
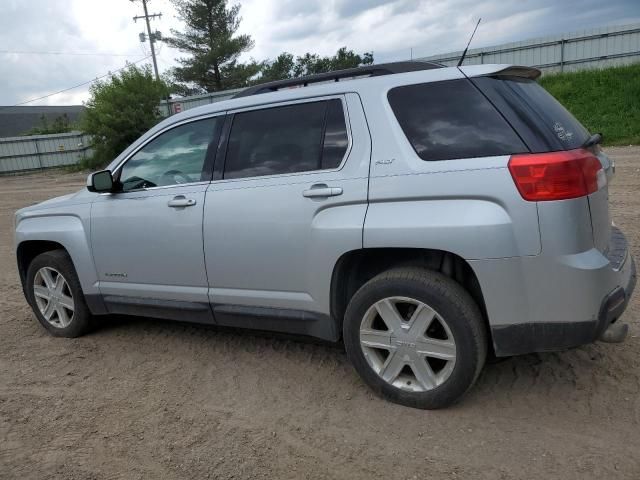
pixel 606 101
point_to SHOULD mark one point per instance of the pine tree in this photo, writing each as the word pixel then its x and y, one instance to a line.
pixel 212 44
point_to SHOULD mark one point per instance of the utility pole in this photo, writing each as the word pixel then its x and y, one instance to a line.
pixel 152 36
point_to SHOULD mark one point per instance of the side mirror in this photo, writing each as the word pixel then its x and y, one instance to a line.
pixel 100 182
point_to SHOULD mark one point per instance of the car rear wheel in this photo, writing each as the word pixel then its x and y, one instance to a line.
pixel 55 295
pixel 416 337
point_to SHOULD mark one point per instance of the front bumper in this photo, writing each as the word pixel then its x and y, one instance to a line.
pixel 541 304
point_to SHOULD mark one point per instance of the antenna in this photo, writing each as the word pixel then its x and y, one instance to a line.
pixel 464 54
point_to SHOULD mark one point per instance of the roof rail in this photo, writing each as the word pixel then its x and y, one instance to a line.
pixel 337 75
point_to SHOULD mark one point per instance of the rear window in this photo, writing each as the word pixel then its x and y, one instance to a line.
pixel 452 119
pixel 542 122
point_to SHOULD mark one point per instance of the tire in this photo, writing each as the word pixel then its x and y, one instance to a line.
pixel 63 321
pixel 435 304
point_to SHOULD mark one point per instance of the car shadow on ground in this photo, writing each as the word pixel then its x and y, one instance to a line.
pixel 553 377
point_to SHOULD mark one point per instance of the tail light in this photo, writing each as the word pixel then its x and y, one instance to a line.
pixel 557 175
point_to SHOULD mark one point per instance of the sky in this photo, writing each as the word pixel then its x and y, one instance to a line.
pixel 103 36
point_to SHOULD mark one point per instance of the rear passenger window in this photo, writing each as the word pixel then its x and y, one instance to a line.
pixel 288 139
pixel 451 119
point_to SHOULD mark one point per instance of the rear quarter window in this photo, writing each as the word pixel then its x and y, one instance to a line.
pixel 450 120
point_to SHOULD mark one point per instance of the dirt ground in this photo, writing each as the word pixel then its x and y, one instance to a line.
pixel 143 398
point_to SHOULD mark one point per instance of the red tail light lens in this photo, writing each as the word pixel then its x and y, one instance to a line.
pixel 556 175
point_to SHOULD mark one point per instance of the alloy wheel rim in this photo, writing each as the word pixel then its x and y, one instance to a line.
pixel 407 344
pixel 53 297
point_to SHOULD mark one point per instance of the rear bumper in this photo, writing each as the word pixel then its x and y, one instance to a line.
pixel 615 303
pixel 540 304
pixel 523 338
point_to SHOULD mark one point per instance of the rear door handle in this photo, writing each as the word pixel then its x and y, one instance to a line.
pixel 322 191
pixel 181 201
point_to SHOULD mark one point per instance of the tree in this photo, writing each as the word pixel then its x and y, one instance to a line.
pixel 213 47
pixel 120 110
pixel 285 66
pixel 282 67
pixel 348 59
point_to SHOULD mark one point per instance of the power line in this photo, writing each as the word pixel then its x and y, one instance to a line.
pixel 78 85
pixel 97 54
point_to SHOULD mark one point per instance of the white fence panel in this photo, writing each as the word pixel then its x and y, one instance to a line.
pixel 42 151
pixel 593 48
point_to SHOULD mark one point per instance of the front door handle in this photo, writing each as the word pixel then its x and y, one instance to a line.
pixel 181 201
pixel 321 190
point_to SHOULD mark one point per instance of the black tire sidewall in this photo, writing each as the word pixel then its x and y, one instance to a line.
pixel 452 303
pixel 60 261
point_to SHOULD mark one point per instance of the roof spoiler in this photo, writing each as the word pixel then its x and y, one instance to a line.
pixel 518 71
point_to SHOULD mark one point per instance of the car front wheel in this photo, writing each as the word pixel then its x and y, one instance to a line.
pixel 55 295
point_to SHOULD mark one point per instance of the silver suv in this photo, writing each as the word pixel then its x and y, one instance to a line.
pixel 426 216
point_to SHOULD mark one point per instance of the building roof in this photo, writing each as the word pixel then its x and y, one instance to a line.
pixel 16 121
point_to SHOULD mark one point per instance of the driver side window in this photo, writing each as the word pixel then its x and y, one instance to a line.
pixel 175 157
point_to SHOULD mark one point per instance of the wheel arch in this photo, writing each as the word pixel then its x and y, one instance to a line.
pixel 27 250
pixel 354 268
pixel 37 233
